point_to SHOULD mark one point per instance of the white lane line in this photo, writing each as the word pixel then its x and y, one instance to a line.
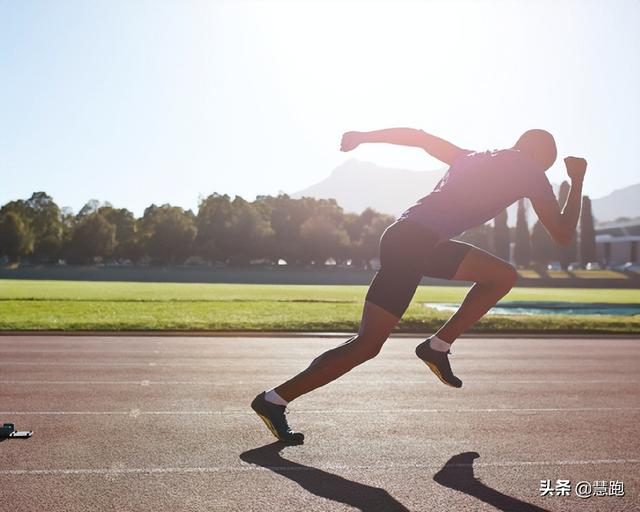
pixel 56 363
pixel 129 382
pixel 217 362
pixel 243 412
pixel 214 363
pixel 78 350
pixel 250 467
pixel 146 382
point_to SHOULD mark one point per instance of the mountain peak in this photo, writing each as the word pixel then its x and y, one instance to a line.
pixel 619 203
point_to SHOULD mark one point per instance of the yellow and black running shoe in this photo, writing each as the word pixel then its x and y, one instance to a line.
pixel 274 418
pixel 438 363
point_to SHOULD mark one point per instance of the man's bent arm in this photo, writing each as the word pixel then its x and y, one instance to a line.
pixel 571 211
pixel 561 225
pixel 438 148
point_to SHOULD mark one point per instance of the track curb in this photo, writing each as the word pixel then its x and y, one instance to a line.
pixel 294 334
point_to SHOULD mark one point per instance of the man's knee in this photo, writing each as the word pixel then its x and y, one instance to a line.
pixel 372 351
pixel 369 346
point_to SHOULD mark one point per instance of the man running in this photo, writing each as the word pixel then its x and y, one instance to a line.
pixel 476 187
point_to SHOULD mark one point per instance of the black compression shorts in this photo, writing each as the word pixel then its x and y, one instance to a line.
pixel 409 251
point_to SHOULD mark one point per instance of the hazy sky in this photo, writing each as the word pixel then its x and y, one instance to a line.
pixel 160 101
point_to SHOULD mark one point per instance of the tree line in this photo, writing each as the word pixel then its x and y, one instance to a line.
pixel 235 231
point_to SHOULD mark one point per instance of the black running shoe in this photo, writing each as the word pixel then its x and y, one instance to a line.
pixel 438 363
pixel 274 418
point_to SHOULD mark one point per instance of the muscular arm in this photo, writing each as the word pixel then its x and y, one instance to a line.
pixel 561 225
pixel 438 148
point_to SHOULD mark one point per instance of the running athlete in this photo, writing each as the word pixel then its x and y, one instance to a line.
pixel 476 187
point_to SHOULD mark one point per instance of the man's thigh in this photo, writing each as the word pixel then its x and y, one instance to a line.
pixel 444 260
pixel 483 267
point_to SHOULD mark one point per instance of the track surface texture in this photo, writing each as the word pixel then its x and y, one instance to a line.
pixel 155 423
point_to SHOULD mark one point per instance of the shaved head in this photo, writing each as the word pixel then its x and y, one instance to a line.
pixel 539 145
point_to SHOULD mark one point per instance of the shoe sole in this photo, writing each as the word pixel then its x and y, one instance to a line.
pixel 269 425
pixel 273 430
pixel 436 372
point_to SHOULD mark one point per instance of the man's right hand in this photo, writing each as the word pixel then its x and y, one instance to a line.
pixel 576 167
pixel 350 140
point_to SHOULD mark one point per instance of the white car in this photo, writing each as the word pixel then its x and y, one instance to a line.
pixel 629 266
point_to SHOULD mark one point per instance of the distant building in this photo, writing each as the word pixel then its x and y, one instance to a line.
pixel 618 242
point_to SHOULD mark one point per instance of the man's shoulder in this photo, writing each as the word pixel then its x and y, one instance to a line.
pixel 513 158
pixel 489 157
pixel 497 159
pixel 490 154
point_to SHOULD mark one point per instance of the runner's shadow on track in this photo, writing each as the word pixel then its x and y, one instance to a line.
pixel 457 474
pixel 321 483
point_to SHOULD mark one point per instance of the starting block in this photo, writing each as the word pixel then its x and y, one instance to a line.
pixel 8 431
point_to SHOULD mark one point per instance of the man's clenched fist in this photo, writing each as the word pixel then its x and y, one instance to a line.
pixel 576 167
pixel 350 140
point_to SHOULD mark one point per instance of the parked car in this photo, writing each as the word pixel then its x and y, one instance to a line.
pixel 593 265
pixel 554 265
pixel 629 266
pixel 196 261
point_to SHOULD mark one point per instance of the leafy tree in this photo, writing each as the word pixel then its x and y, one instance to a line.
pixel 213 220
pixel 587 233
pixel 354 224
pixel 286 215
pixel 46 223
pixel 44 219
pixel 543 249
pixel 16 237
pixel 91 206
pixel 365 244
pixel 93 237
pixel 501 239
pixel 324 218
pixel 522 249
pixel 168 233
pixel 236 231
pixel 127 243
pixel 294 244
pixel 246 232
pixel 322 239
pixel 69 221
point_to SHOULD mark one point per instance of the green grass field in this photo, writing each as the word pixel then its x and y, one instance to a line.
pixel 82 305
